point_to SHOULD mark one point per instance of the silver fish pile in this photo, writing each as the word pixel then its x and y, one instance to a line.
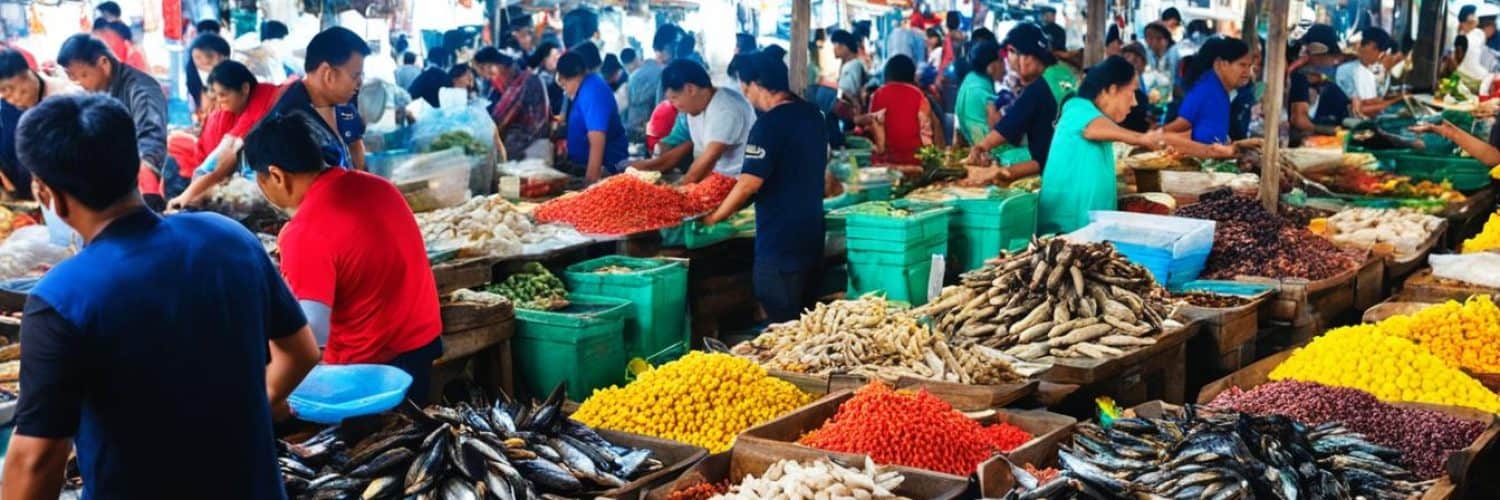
pixel 502 450
pixel 1223 456
pixel 1056 298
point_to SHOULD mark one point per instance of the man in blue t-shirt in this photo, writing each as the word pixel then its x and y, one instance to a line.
pixel 785 158
pixel 335 70
pixel 596 138
pixel 211 351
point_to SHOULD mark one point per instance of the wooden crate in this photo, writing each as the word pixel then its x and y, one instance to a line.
pixel 1398 268
pixel 459 274
pixel 963 397
pixel 1334 294
pixel 1154 372
pixel 753 458
pixel 1422 286
pixel 1467 218
pixel 464 316
pixel 488 347
pixel 1225 332
pixel 674 456
pixel 1369 285
pixel 1394 307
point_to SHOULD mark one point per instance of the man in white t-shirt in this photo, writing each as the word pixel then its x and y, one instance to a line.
pixel 718 119
pixel 1359 82
pixel 1472 68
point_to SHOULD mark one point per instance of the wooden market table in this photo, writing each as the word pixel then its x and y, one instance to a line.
pixel 477 333
pixel 1467 219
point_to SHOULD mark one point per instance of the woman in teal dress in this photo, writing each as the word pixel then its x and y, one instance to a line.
pixel 1082 157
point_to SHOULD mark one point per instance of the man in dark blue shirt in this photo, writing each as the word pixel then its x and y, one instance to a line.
pixel 785 158
pixel 335 68
pixel 597 146
pixel 1032 118
pixel 107 365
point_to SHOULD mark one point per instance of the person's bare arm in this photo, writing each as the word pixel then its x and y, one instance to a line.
pixel 292 357
pixel 1178 126
pixel 666 160
pixel 595 169
pixel 746 187
pixel 1102 129
pixel 34 467
pixel 991 140
pixel 1480 149
pixel 1186 145
pixel 225 160
pixel 1299 118
pixel 1371 107
pixel 357 155
pixel 704 163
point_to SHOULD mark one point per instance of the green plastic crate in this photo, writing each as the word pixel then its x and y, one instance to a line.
pixel 902 282
pixel 693 234
pixel 582 345
pixel 1466 174
pixel 984 227
pixel 893 255
pixel 657 292
pixel 924 223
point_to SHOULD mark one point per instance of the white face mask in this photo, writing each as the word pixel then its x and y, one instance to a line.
pixel 60 233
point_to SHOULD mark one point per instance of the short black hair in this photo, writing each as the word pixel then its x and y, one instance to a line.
pixel 774 50
pixel 209 42
pixel 288 141
pixel 1198 26
pixel 590 54
pixel 953 20
pixel 900 68
pixel 458 70
pixel 682 72
pixel 745 42
pixel 1466 12
pixel 611 65
pixel 84 48
pixel 1171 14
pixel 334 46
pixel 738 63
pixel 491 55
pixel 1377 36
pixel 109 8
pixel 540 54
pixel 208 26
pixel 628 55
pixel 571 65
pixel 12 63
pixel 1160 29
pixel 934 32
pixel 83 145
pixel 408 58
pixel 231 74
pixel 766 71
pixel 983 34
pixel 665 39
pixel 275 30
pixel 1112 35
pixel 845 38
pixel 440 57
pixel 686 44
pixel 117 27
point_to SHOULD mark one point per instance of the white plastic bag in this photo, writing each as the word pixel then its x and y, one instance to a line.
pixel 29 252
pixel 1482 268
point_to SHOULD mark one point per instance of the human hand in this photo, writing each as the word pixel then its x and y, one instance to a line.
pixel 592 176
pixel 281 411
pixel 977 156
pixel 1153 140
pixel 178 203
pixel 1221 151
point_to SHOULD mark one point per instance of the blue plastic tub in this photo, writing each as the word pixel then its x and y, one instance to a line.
pixel 1173 249
pixel 332 393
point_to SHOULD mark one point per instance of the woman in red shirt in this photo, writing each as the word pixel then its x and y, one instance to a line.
pixel 242 102
pixel 909 121
pixel 352 253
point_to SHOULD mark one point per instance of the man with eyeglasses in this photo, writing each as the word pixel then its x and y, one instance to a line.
pixel 335 66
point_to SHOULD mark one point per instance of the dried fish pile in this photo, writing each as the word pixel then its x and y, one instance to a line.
pixel 502 450
pixel 869 337
pixel 1225 455
pixel 1055 298
pixel 818 479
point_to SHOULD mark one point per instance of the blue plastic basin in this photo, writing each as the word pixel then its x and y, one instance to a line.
pixel 332 393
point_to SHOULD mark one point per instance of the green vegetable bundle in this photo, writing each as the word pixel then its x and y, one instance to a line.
pixel 533 288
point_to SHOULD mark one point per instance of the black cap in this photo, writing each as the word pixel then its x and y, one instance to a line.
pixel 1028 39
pixel 1466 12
pixel 768 71
pixel 1377 36
pixel 1320 39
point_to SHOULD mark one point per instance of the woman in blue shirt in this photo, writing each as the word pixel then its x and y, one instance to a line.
pixel 1221 65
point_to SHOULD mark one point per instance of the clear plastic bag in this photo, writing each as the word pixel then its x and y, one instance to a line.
pixel 1482 268
pixel 472 120
pixel 434 180
pixel 29 252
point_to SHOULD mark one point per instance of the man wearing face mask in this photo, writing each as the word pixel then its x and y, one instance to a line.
pixel 335 66
pixel 218 343
pixel 367 289
pixel 22 89
pixel 91 65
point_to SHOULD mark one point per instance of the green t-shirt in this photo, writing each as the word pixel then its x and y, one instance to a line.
pixel 1080 175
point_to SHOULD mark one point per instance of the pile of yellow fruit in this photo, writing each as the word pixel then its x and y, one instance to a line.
pixel 1464 335
pixel 702 399
pixel 1487 239
pixel 1391 368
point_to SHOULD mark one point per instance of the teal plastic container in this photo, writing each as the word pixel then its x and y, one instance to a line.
pixel 981 228
pixel 657 292
pixel 582 345
pixel 1466 174
pixel 900 282
pixel 923 223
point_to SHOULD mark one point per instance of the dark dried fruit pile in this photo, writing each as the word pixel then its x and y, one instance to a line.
pixel 1212 300
pixel 1249 241
pixel 1424 437
pixel 1302 215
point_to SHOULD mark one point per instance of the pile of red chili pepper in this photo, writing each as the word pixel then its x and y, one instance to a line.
pixel 621 204
pixel 1006 437
pixel 700 491
pixel 707 194
pixel 915 429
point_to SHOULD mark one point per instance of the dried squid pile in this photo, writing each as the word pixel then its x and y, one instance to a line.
pixel 1058 299
pixel 868 337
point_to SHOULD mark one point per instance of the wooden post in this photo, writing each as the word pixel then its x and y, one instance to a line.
pixel 801 29
pixel 1249 27
pixel 1093 40
pixel 1431 23
pixel 1275 78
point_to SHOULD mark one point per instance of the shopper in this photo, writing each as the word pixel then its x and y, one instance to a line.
pixel 109 11
pixel 644 86
pixel 520 108
pixel 335 68
pixel 1163 58
pixel 207 51
pixel 785 161
pixel 1473 68
pixel 91 65
pixel 596 139
pixel 241 103
pixel 544 62
pixel 408 70
pixel 119 39
pixel 1221 65
pixel 1321 106
pixel 852 72
pixel 1142 117
pixel 718 119
pixel 974 106
pixel 352 254
pixel 1359 82
pixel 21 89
pixel 1030 121
pixel 179 319
pixel 909 122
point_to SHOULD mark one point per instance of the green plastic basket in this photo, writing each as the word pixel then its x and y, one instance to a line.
pixel 694 234
pixel 582 345
pixel 881 252
pixel 984 227
pixel 656 291
pixel 1466 174
pixel 923 223
pixel 902 282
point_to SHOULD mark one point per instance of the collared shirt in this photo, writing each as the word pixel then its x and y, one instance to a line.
pixel 143 98
pixel 593 110
pixel 103 361
pixel 1206 107
pixel 335 144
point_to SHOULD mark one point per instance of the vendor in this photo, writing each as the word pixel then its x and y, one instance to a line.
pixel 974 107
pixel 335 65
pixel 784 168
pixel 520 108
pixel 1032 118
pixel 1316 107
pixel 1221 65
pixel 91 65
pixel 1162 59
pixel 22 89
pixel 241 102
pixel 352 254
pixel 718 121
pixel 1359 82
pixel 909 122
pixel 178 319
pixel 1082 175
pixel 596 138
pixel 207 51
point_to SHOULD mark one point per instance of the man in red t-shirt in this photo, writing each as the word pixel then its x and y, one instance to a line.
pixel 242 102
pixel 352 253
